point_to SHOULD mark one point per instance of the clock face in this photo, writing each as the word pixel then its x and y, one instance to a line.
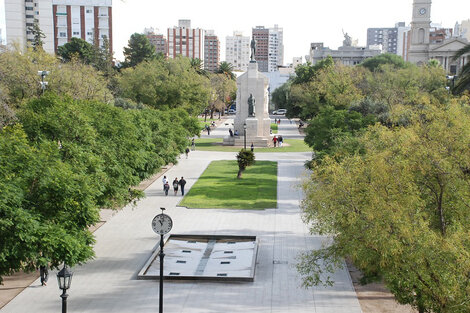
pixel 422 11
pixel 162 224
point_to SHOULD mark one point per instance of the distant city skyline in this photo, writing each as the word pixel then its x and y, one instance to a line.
pixel 303 21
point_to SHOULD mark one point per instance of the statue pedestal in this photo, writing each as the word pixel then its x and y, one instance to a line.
pixel 254 85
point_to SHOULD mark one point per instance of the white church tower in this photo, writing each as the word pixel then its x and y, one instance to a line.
pixel 420 28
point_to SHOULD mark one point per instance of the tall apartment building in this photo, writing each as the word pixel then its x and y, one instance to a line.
pixel 387 37
pixel 59 20
pixel 269 48
pixel 237 51
pixel 1 37
pixel 211 51
pixel 186 41
pixel 157 40
pixel 276 48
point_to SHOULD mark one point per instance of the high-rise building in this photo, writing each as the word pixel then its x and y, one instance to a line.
pixel 237 51
pixel 1 37
pixel 269 48
pixel 157 40
pixel 402 39
pixel 186 41
pixel 276 48
pixel 59 20
pixel 387 37
pixel 211 51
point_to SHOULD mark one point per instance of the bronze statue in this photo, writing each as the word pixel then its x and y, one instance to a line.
pixel 251 105
pixel 253 49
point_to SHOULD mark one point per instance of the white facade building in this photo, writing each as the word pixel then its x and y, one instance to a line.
pixel 59 20
pixel 402 39
pixel 186 41
pixel 237 51
pixel 275 48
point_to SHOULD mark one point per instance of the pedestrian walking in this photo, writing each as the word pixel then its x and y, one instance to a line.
pixel 182 182
pixel 187 152
pixel 193 145
pixel 175 186
pixel 275 141
pixel 252 147
pixel 278 121
pixel 166 188
pixel 164 181
pixel 280 140
pixel 44 273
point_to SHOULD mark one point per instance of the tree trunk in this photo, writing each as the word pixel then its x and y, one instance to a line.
pixel 240 171
pixel 205 116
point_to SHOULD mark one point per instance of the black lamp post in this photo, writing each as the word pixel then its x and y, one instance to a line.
pixel 64 278
pixel 244 135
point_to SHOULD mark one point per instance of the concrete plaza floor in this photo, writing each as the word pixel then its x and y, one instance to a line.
pixel 109 284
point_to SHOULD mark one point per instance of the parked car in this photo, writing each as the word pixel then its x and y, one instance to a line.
pixel 231 111
pixel 280 112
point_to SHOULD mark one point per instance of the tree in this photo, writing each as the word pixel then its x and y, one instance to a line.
pixel 280 96
pixel 226 69
pixel 19 80
pixel 330 125
pixel 399 210
pixel 463 82
pixel 79 48
pixel 245 158
pixel 221 90
pixel 198 67
pixel 166 84
pixel 374 63
pixel 139 49
pixel 38 36
pixel 307 72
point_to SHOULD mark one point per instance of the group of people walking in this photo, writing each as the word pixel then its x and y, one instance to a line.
pixel 278 140
pixel 177 184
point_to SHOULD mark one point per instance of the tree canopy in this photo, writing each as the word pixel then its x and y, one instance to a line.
pixel 139 49
pixel 77 47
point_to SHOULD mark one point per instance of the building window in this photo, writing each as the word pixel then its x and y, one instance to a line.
pixel 29 16
pixel 76 33
pixel 62 34
pixel 89 33
pixel 29 8
pixel 89 11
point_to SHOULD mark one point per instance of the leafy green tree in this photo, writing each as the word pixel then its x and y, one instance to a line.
pixel 221 90
pixel 139 49
pixel 198 67
pixel 375 63
pixel 305 73
pixel 245 158
pixel 226 69
pixel 38 36
pixel 330 125
pixel 166 84
pixel 399 210
pixel 463 82
pixel 19 80
pixel 79 48
pixel 280 96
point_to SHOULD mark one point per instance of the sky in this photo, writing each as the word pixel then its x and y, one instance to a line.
pixel 303 21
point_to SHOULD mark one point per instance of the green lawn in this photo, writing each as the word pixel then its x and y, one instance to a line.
pixel 203 123
pixel 215 144
pixel 218 187
pixel 274 128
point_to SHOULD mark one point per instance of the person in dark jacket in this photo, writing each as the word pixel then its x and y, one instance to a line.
pixel 182 182
pixel 175 186
pixel 44 273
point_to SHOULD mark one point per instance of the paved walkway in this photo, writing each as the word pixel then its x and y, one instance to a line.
pixel 109 284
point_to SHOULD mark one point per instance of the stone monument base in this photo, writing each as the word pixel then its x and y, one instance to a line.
pixel 258 142
pixel 257 132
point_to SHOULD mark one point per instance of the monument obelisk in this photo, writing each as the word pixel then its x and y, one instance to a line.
pixel 252 107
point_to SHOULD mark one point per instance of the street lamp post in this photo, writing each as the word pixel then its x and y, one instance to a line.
pixel 244 135
pixel 452 79
pixel 43 74
pixel 64 278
